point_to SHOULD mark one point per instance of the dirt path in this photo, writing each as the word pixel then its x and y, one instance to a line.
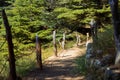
pixel 58 68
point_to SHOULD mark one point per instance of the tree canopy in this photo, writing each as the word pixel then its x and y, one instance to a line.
pixel 28 17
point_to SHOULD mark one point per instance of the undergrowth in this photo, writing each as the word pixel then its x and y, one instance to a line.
pixel 26 56
pixel 81 65
pixel 105 39
pixel 105 42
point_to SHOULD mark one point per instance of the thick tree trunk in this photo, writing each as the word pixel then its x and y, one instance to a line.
pixel 54 43
pixel 116 23
pixel 12 73
pixel 38 52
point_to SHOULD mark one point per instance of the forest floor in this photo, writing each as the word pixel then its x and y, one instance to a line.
pixel 59 68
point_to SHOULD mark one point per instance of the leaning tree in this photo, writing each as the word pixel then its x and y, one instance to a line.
pixel 116 23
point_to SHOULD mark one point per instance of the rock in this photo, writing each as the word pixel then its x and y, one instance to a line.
pixel 88 54
pixel 89 77
pixel 94 63
pixel 88 45
pixel 116 76
pixel 110 74
pixel 107 60
pixel 99 53
pixel 97 63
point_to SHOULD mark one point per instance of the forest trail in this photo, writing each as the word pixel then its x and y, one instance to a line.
pixel 59 68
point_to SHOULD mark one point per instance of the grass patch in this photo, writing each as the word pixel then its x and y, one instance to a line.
pixel 47 52
pixel 81 65
pixel 26 63
pixel 69 44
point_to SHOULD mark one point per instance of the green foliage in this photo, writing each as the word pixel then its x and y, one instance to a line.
pixel 61 9
pixel 81 65
pixel 67 15
pixel 78 12
pixel 105 38
pixel 43 34
pixel 28 17
pixel 25 63
pixel 69 44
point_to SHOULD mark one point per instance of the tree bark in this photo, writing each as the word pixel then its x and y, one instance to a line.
pixel 63 42
pixel 54 43
pixel 38 52
pixel 77 39
pixel 87 36
pixel 116 23
pixel 12 73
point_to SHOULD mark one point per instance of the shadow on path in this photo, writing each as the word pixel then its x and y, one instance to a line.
pixel 58 68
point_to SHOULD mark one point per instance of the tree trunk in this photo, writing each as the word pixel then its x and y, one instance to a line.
pixel 116 23
pixel 87 36
pixel 12 73
pixel 54 43
pixel 38 52
pixel 77 39
pixel 63 42
pixel 87 41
